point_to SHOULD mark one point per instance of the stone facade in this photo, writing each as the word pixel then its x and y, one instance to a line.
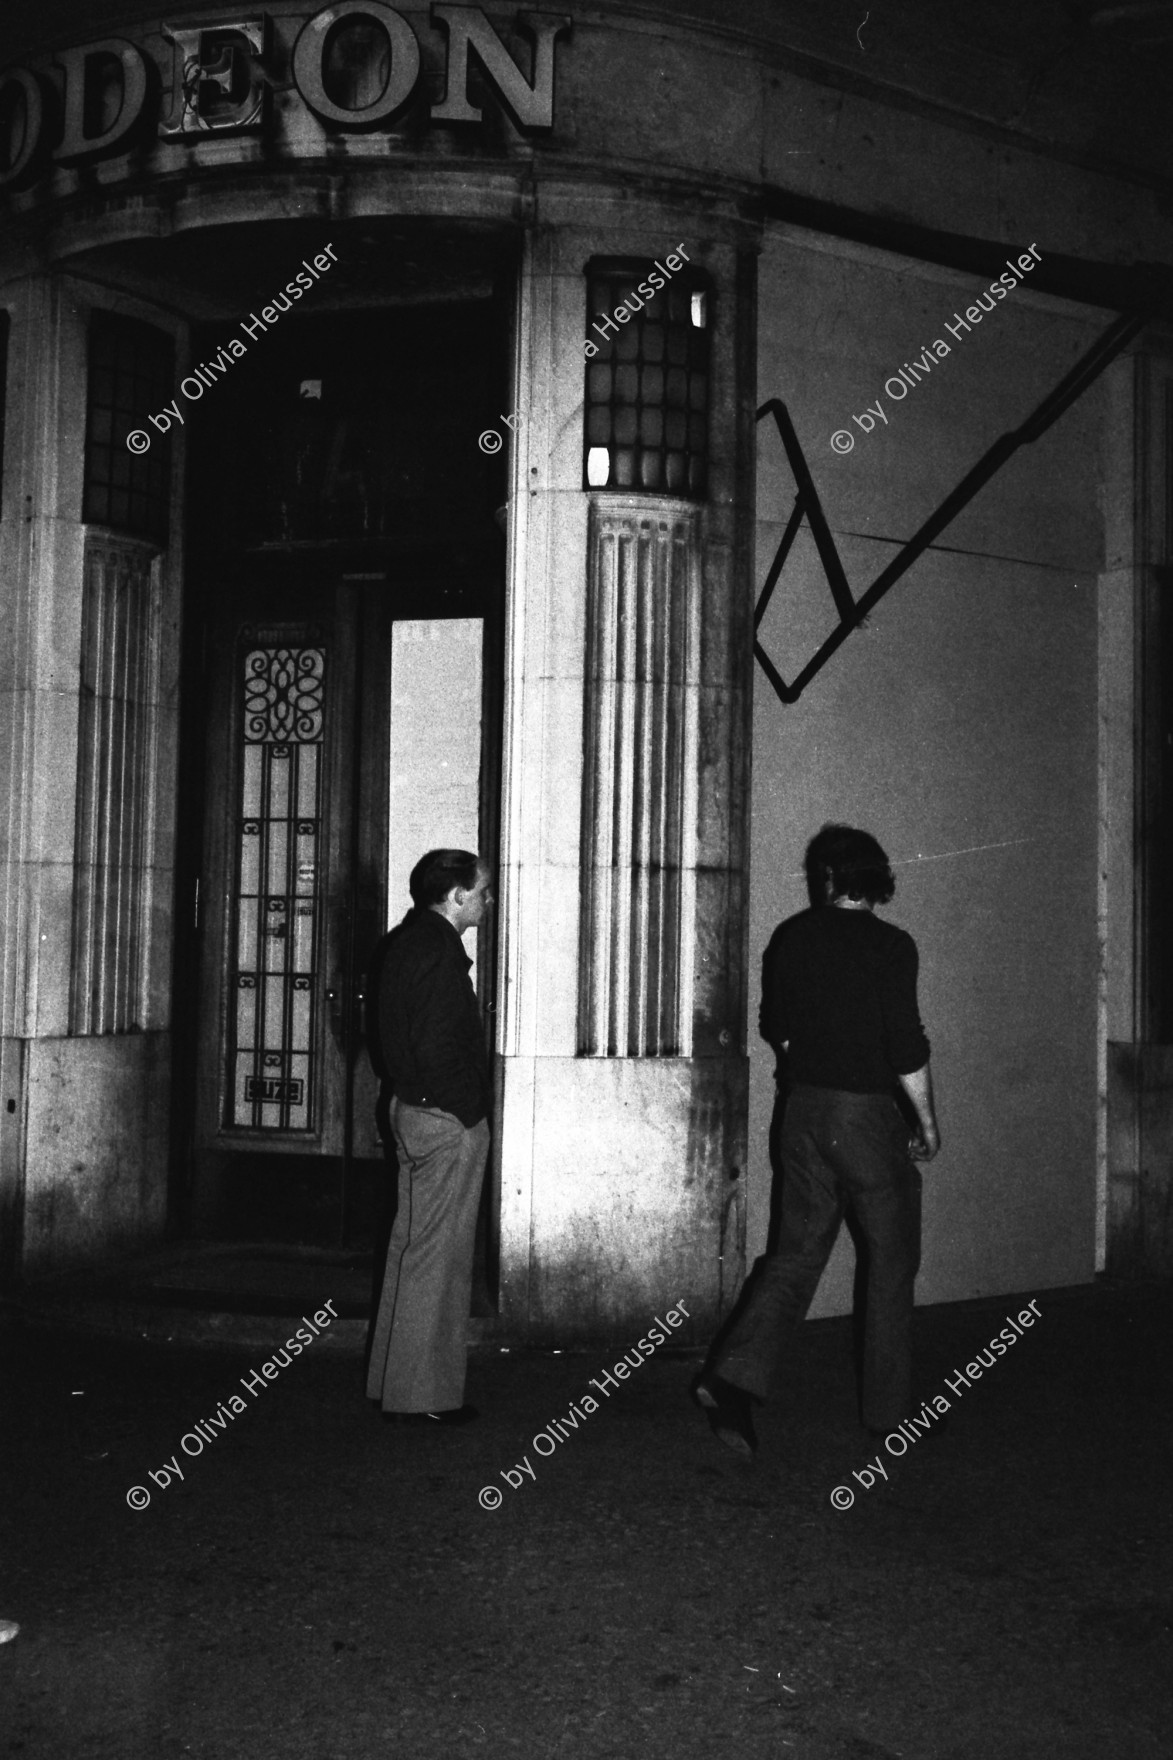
pixel 980 724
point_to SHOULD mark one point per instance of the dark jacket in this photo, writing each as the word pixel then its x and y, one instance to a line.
pixel 425 1033
pixel 840 986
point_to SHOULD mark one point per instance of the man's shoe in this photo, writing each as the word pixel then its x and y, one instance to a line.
pixel 729 1410
pixel 454 1415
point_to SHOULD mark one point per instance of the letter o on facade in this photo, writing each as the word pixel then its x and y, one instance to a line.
pixel 544 1436
pixel 195 1438
pixel 888 384
pixel 896 1437
pixel 309 57
pixel 22 121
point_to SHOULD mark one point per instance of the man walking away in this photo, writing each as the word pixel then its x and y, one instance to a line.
pixel 839 999
pixel 431 1044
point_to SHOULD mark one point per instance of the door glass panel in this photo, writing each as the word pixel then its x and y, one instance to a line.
pixel 435 747
pixel 272 1074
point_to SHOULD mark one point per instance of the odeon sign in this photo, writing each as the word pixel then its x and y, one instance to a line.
pixel 106 97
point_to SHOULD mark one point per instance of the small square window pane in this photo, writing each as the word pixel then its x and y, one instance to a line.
pixel 599 382
pixel 627 383
pixel 598 467
pixel 625 425
pixel 598 426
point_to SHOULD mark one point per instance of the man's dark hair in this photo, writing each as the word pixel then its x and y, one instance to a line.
pixel 852 861
pixel 435 874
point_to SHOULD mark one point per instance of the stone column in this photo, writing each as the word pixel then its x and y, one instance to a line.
pixel 87 709
pixel 626 755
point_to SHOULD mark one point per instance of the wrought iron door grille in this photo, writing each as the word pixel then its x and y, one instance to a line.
pixel 272 1074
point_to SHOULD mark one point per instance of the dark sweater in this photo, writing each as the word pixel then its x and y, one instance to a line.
pixel 840 985
pixel 429 1040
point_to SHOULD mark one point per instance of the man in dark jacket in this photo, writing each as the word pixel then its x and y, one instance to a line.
pixel 431 1058
pixel 839 1002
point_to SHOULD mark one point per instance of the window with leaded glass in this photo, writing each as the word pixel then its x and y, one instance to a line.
pixel 272 1075
pixel 647 382
pixel 131 376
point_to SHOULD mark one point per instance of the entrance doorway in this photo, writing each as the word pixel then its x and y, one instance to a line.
pixel 343 706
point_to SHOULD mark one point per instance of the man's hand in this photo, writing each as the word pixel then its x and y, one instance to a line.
pixel 925 1144
pixel 919 1087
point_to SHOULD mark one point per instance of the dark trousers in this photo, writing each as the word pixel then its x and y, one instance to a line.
pixel 839 1151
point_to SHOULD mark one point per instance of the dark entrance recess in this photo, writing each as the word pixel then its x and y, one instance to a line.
pixel 337 503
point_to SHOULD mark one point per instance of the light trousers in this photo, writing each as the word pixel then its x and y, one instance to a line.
pixel 419 1350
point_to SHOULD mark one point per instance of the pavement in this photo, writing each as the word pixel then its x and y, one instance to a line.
pixel 318 1585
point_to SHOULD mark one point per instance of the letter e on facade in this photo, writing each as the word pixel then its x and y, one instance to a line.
pixel 217 83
